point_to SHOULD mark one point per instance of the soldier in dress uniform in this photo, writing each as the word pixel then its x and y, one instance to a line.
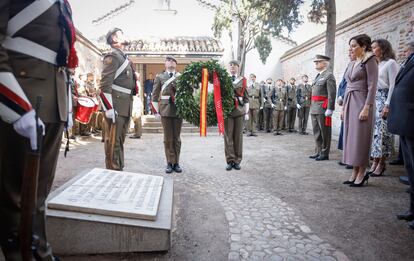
pixel 291 105
pixel 268 106
pixel 233 125
pixel 163 103
pixel 304 94
pixel 118 86
pixel 322 107
pixel 35 51
pixel 260 122
pixel 279 98
pixel 255 103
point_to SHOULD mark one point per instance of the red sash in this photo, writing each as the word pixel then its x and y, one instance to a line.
pixel 322 99
pixel 328 119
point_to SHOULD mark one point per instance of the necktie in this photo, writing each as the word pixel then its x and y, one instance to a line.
pixel 171 74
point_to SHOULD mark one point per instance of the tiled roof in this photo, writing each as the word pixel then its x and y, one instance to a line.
pixel 177 45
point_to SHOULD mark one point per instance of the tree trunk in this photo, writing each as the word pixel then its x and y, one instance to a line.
pixel 330 31
pixel 241 48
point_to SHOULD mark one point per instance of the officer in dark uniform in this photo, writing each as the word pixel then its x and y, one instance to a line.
pixel 233 125
pixel 34 54
pixel 322 107
pixel 163 103
pixel 304 94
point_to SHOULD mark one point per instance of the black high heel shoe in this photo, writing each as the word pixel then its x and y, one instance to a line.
pixel 348 182
pixel 365 179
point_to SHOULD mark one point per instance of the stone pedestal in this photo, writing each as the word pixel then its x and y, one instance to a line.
pixel 72 233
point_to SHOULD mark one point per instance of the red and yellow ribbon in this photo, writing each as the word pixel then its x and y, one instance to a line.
pixel 218 103
pixel 203 102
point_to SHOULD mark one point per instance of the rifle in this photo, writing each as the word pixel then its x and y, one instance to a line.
pixel 111 144
pixel 29 193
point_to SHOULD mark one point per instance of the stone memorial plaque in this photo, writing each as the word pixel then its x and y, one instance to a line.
pixel 113 193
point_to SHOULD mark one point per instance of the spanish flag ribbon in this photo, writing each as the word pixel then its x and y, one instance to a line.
pixel 218 103
pixel 203 102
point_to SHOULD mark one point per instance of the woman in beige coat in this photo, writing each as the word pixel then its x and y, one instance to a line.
pixel 359 108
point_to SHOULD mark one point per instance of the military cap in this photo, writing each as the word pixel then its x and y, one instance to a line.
pixel 320 57
pixel 110 33
pixel 235 62
pixel 170 57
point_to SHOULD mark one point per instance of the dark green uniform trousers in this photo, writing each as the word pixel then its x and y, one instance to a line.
pixel 172 141
pixel 13 148
pixel 278 120
pixel 121 126
pixel 233 139
pixel 252 123
pixel 322 135
pixel 303 115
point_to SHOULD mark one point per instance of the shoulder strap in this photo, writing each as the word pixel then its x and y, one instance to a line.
pixel 169 81
pixel 121 68
pixel 27 15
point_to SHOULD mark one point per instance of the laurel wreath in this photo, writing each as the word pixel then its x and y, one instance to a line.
pixel 187 98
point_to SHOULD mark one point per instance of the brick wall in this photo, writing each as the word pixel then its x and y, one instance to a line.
pixel 387 19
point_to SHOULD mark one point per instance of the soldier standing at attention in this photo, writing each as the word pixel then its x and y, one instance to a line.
pixel 279 100
pixel 291 105
pixel 255 102
pixel 35 51
pixel 118 86
pixel 322 107
pixel 163 103
pixel 260 123
pixel 304 94
pixel 233 125
pixel 267 91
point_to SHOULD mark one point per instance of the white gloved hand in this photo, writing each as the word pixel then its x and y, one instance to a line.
pixel 340 101
pixel 110 114
pixel 273 106
pixel 261 108
pixel 26 126
pixel 246 117
pixel 285 108
pixel 157 116
pixel 328 113
pixel 298 106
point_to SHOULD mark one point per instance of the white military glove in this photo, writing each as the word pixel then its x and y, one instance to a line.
pixel 298 106
pixel 261 108
pixel 110 114
pixel 26 127
pixel 328 113
pixel 157 116
pixel 246 117
pixel 285 108
pixel 273 106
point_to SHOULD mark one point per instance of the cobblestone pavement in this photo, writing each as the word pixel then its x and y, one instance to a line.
pixel 261 226
pixel 280 206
